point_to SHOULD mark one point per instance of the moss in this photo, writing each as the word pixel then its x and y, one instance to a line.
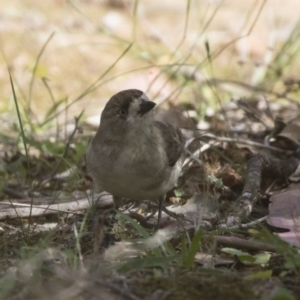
pixel 200 284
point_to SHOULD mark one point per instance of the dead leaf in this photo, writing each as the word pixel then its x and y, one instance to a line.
pixel 284 212
pixel 209 260
pixel 291 132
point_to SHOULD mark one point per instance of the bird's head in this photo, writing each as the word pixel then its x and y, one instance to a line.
pixel 127 109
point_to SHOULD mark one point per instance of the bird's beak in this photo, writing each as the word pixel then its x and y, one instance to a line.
pixel 146 106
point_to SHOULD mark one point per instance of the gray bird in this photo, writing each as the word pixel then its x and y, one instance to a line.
pixel 133 156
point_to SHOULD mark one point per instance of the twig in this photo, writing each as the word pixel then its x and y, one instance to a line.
pixel 252 245
pixel 141 219
pixel 247 142
pixel 256 165
pixel 248 225
pixel 14 194
pixel 23 210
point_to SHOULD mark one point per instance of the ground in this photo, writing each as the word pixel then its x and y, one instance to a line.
pixel 226 69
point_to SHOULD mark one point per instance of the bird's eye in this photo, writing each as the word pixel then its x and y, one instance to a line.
pixel 122 112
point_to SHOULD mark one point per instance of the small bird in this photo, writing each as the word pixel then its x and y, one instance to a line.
pixel 133 156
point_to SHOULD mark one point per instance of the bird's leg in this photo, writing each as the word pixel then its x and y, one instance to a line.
pixel 160 208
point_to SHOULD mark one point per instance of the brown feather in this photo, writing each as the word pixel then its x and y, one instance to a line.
pixel 174 141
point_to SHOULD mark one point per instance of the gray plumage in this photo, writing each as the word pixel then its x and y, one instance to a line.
pixel 132 156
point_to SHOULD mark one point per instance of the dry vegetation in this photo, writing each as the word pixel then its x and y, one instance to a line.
pixel 227 69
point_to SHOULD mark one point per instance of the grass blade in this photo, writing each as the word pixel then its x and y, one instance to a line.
pixel 35 68
pixel 188 259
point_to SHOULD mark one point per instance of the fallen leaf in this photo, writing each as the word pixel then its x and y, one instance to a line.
pixel 291 132
pixel 284 212
pixel 266 274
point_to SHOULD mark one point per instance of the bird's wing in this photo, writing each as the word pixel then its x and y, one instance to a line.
pixel 174 141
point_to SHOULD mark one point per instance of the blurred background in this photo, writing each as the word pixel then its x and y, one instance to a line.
pixel 78 53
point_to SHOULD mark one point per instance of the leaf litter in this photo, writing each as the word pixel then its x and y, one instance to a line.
pixel 53 228
pixel 209 196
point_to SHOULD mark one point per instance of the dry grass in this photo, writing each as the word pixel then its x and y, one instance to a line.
pixel 90 35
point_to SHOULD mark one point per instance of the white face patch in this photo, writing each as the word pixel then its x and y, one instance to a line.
pixel 135 107
pixel 144 97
